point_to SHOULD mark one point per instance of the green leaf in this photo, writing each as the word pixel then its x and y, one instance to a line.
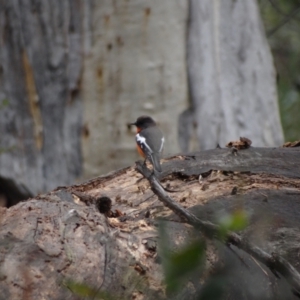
pixel 181 264
pixel 84 290
pixel 237 221
pixel 4 103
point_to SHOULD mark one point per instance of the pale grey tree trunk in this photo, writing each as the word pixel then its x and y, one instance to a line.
pixel 135 64
pixel 231 75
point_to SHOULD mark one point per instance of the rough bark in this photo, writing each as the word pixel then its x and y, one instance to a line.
pixel 231 76
pixel 40 63
pixel 61 235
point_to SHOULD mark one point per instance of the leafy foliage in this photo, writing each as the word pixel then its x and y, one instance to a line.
pixel 86 292
pixel 186 264
pixel 282 23
pixel 236 221
pixel 181 264
pixel 4 103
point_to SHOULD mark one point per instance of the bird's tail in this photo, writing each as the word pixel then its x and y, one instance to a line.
pixel 155 159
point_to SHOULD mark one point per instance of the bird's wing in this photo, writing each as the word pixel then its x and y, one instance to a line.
pixel 152 139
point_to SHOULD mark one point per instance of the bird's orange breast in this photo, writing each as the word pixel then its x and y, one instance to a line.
pixel 140 151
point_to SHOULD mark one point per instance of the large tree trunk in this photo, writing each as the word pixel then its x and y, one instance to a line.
pixel 53 242
pixel 231 75
pixel 134 65
pixel 41 61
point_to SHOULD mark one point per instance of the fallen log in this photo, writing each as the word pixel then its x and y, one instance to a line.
pixel 59 246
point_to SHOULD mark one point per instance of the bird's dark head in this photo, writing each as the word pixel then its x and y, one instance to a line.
pixel 144 122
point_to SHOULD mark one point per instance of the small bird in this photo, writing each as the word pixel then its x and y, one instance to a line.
pixel 149 140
